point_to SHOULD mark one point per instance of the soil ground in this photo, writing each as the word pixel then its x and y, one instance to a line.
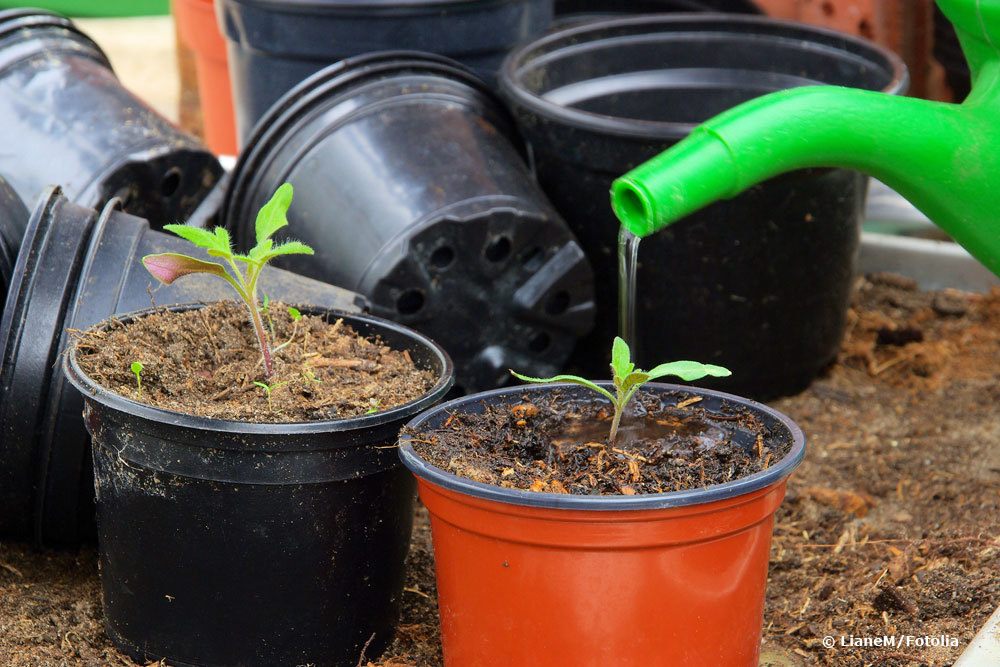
pixel 891 525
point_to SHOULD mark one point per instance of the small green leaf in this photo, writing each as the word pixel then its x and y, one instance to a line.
pixel 291 248
pixel 568 378
pixel 216 244
pixel 634 379
pixel 136 368
pixel 266 387
pixel 272 216
pixel 621 359
pixel 169 266
pixel 265 303
pixel 294 313
pixel 688 370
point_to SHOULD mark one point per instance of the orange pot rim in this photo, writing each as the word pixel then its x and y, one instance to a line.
pixel 777 472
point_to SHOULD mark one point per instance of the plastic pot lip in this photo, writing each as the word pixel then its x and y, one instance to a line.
pixel 745 485
pixel 92 391
pixel 576 36
pixel 13 20
pixel 270 131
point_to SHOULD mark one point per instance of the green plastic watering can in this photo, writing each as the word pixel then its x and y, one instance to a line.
pixel 944 158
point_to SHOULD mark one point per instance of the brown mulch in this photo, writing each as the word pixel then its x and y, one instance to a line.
pixel 891 525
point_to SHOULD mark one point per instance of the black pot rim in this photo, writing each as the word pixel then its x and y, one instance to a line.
pixel 13 20
pixel 510 80
pixel 95 392
pixel 269 131
pixel 654 501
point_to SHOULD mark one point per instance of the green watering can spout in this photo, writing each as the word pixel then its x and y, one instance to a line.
pixel 944 158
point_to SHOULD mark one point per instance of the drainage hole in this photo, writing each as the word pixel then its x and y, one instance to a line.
pixel 443 257
pixel 539 342
pixel 410 302
pixel 498 249
pixel 170 183
pixel 532 260
pixel 558 303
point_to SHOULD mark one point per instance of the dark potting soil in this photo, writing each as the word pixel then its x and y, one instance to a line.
pixel 559 444
pixel 205 362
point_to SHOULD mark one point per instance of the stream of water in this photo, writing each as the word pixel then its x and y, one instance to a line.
pixel 628 264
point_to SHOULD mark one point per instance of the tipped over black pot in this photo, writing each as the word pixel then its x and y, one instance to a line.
pixel 65 118
pixel 275 45
pixel 230 543
pixel 76 268
pixel 412 187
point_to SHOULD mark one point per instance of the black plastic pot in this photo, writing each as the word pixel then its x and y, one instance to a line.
pixel 759 283
pixel 411 188
pixel 273 46
pixel 77 268
pixel 66 119
pixel 231 543
pixel 13 220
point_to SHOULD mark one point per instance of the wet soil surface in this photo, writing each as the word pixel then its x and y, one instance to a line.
pixel 207 361
pixel 558 443
pixel 891 525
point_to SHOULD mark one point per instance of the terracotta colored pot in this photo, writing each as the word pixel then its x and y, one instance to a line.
pixel 668 579
pixel 199 28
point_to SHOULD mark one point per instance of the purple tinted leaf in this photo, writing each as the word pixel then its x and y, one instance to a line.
pixel 168 267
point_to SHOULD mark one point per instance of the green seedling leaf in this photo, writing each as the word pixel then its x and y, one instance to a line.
pixel 574 379
pixel 628 379
pixel 169 266
pixel 294 313
pixel 621 359
pixel 689 370
pixel 273 215
pixel 137 372
pixel 263 385
pixel 216 244
pixel 291 248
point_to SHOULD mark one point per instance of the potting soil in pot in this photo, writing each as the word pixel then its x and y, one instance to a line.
pixel 205 362
pixel 559 445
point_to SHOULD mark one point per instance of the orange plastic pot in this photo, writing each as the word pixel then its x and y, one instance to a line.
pixel 546 579
pixel 199 29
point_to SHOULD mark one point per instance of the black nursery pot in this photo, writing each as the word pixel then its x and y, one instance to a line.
pixel 410 185
pixel 759 283
pixel 75 269
pixel 275 45
pixel 230 543
pixel 65 118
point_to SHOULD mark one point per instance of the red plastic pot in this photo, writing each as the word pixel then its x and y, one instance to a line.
pixel 668 579
pixel 199 29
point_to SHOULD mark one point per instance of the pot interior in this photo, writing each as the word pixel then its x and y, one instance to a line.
pixel 685 69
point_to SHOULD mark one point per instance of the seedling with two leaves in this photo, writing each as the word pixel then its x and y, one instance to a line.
pixel 242 272
pixel 628 379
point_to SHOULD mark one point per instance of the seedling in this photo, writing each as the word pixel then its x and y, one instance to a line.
pixel 137 372
pixel 628 379
pixel 269 389
pixel 168 267
pixel 376 406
